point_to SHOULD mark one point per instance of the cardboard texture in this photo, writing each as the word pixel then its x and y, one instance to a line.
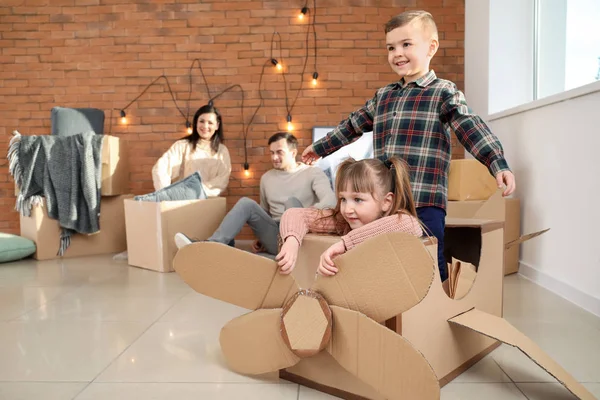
pixel 45 232
pixel 461 277
pixel 357 340
pixel 470 180
pixel 361 297
pixel 501 209
pixel 151 228
pixel 500 329
pixel 115 167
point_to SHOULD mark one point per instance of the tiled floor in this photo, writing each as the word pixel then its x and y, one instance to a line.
pixel 93 328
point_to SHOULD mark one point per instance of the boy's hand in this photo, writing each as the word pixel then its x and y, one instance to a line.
pixel 286 259
pixel 508 179
pixel 326 265
pixel 257 247
pixel 309 156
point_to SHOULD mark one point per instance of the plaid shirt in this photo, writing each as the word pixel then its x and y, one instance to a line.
pixel 414 123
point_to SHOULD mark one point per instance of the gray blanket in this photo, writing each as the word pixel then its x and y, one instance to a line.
pixel 66 171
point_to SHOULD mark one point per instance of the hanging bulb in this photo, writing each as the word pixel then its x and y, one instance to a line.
pixel 189 127
pixel 246 169
pixel 123 117
pixel 290 127
pixel 315 77
pixel 276 64
pixel 303 13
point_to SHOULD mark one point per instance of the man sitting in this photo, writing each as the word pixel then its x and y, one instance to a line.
pixel 289 184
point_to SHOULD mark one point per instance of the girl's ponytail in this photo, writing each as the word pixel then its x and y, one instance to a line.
pixel 400 175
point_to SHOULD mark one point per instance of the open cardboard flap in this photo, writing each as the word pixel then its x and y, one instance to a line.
pixel 525 238
pixel 461 278
pixel 500 329
pixel 493 208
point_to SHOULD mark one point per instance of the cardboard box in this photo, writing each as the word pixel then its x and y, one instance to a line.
pixel 45 232
pixel 115 167
pixel 470 180
pixel 331 336
pixel 497 208
pixel 151 228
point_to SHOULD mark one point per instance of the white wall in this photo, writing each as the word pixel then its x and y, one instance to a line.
pixel 553 151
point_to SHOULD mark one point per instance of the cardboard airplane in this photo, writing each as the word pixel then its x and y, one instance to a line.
pixel 341 315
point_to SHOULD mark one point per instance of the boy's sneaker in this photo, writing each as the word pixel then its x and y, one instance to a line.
pixel 181 240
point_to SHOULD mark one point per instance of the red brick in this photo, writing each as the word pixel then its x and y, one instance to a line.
pixel 83 53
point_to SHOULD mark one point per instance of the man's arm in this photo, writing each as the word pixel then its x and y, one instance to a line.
pixel 322 189
pixel 263 196
pixel 347 131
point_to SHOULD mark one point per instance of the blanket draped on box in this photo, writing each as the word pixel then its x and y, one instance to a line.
pixel 66 171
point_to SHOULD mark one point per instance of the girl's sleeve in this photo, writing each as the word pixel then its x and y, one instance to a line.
pixel 297 222
pixel 168 165
pixel 393 223
pixel 218 183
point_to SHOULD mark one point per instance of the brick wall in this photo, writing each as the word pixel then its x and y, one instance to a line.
pixel 102 53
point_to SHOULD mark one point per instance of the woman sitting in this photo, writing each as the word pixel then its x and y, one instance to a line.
pixel 203 151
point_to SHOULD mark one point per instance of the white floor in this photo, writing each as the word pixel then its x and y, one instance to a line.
pixel 92 328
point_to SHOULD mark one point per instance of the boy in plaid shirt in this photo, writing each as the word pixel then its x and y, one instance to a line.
pixel 413 119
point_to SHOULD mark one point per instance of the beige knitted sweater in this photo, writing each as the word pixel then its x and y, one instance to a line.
pixel 180 161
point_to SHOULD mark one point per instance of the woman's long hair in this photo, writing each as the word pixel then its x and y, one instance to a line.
pixel 377 178
pixel 216 139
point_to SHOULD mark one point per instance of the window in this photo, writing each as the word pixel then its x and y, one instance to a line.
pixel 539 48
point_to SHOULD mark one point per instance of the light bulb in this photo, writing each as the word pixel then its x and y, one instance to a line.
pixel 314 82
pixel 290 127
pixel 303 12
pixel 189 130
pixel 246 169
pixel 247 173
pixel 315 77
pixel 279 66
pixel 123 120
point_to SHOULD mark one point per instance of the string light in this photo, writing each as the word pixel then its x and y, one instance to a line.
pixel 276 64
pixel 272 60
pixel 303 13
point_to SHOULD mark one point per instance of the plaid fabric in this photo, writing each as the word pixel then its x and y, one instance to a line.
pixel 414 123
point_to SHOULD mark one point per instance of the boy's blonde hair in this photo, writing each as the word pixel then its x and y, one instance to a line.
pixel 377 178
pixel 424 18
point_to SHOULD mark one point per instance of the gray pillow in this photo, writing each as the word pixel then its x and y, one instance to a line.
pixel 72 121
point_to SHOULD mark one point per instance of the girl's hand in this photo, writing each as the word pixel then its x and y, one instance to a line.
pixel 309 156
pixel 286 259
pixel 326 265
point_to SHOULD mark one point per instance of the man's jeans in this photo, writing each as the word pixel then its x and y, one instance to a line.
pixel 265 228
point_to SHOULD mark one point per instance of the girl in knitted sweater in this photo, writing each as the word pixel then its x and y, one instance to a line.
pixel 374 197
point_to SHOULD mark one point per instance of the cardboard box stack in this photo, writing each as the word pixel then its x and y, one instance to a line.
pixel 45 232
pixel 473 193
